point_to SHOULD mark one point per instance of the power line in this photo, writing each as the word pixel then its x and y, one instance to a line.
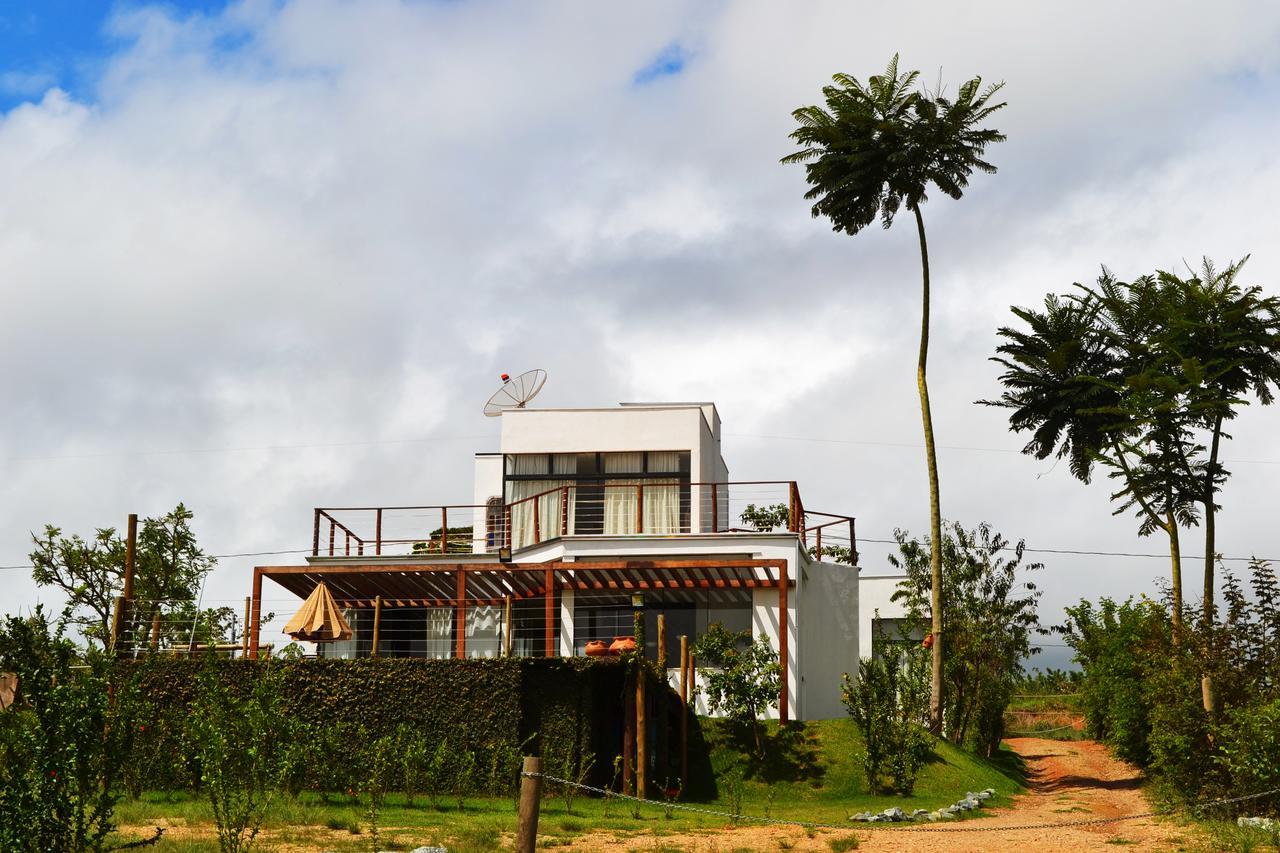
pixel 1084 553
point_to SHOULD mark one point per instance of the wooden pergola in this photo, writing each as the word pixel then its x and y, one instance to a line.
pixel 463 585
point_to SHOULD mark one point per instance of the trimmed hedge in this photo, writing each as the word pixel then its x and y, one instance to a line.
pixel 496 709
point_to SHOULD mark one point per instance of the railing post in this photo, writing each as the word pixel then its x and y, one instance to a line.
pixel 460 615
pixel 377 625
pixel 715 510
pixel 506 525
pixel 817 535
pixel 564 511
pixel 346 542
pixel 537 521
pixel 639 508
pixel 444 530
pixel 377 532
pixel 530 799
pixel 792 509
pixel 853 544
pixel 333 527
pixel 315 535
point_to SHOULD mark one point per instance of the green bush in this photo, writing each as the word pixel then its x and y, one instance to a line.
pixel 1249 752
pixel 889 702
pixel 491 710
pixel 63 744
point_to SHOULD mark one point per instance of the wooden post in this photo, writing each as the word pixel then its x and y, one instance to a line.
pixel 377 532
pixel 155 628
pixel 662 643
pixel 715 510
pixel 460 616
pixel 244 635
pixel 125 608
pixel 530 799
pixel 117 621
pixel 818 537
pixel 550 614
pixel 444 530
pixel 506 629
pixel 564 511
pixel 782 642
pixel 628 737
pixel 684 710
pixel 639 508
pixel 537 521
pixel 315 535
pixel 255 616
pixel 377 624
pixel 333 527
pixel 642 733
pixel 663 746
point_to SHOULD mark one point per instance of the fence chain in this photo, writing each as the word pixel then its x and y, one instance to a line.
pixel 1041 731
pixel 932 827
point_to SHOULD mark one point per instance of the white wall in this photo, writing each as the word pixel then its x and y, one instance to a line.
pixel 828 645
pixel 873 597
pixel 488 484
pixel 764 620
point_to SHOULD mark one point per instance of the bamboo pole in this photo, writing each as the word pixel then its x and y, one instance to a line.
pixel 662 642
pixel 377 624
pixel 642 731
pixel 506 629
pixel 684 710
pixel 244 635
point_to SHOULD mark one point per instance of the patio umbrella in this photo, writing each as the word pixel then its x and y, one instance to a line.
pixel 319 620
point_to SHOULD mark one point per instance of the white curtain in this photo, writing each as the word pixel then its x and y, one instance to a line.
pixel 620 502
pixel 662 496
pixel 549 505
pixel 440 632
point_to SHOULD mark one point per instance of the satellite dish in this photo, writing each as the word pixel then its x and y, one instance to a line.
pixel 515 393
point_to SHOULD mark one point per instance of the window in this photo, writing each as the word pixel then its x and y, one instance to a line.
pixel 597 493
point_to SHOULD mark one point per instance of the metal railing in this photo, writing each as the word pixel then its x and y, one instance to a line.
pixel 663 506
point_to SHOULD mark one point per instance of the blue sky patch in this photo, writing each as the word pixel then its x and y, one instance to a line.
pixel 46 43
pixel 670 62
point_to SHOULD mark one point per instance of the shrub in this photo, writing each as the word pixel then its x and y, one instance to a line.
pixel 746 679
pixel 1249 752
pixel 889 703
pixel 63 744
pixel 239 739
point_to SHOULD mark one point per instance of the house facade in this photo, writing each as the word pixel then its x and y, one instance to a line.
pixel 580 521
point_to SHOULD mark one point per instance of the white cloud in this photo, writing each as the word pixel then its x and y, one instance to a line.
pixel 327 222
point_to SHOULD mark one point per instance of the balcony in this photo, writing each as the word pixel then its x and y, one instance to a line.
pixel 641 508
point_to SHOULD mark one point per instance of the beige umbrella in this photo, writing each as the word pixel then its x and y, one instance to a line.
pixel 319 620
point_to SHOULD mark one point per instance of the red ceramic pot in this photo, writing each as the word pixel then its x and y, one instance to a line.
pixel 622 645
pixel 596 649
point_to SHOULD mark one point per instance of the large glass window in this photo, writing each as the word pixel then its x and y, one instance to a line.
pixel 598 493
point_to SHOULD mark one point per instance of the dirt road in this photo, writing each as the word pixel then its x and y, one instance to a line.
pixel 1069 780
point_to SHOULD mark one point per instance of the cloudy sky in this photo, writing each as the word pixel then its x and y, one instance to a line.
pixel 264 256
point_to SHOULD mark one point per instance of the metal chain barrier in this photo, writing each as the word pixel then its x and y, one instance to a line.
pixel 932 827
pixel 1041 731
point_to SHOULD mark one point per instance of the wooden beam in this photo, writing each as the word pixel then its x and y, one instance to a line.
pixel 377 625
pixel 550 610
pixel 244 635
pixel 460 616
pixel 255 613
pixel 684 711
pixel 782 643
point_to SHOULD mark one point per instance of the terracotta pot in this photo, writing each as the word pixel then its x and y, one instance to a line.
pixel 596 649
pixel 928 641
pixel 622 645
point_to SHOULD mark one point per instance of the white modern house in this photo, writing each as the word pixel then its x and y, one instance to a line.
pixel 579 519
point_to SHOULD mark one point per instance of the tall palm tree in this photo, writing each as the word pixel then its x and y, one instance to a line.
pixel 873 149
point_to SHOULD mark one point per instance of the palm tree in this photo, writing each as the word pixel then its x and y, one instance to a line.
pixel 869 152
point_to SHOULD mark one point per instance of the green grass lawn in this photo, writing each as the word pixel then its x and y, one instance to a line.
pixel 812 772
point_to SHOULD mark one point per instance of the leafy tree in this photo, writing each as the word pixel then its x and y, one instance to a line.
pixel 766 518
pixel 1088 378
pixel 991 617
pixel 63 745
pixel 889 702
pixel 746 677
pixel 872 150
pixel 88 571
pixel 240 741
pixel 169 568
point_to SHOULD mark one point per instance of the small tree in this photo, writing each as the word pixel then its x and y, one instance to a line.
pixel 746 679
pixel 63 744
pixel 766 518
pixel 889 703
pixel 239 740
